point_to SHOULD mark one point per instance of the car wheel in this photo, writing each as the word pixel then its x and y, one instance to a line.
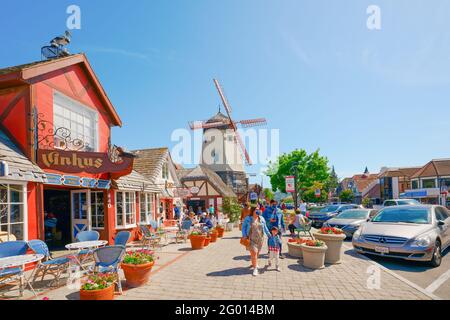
pixel 437 255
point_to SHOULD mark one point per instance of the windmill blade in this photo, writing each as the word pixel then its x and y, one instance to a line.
pixel 243 149
pixel 224 99
pixel 196 125
pixel 253 122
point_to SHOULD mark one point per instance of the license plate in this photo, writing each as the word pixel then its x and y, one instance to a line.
pixel 382 249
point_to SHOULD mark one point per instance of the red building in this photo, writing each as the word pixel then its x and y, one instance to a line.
pixel 57 159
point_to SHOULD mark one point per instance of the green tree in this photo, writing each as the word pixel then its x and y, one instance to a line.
pixel 309 195
pixel 232 208
pixel 310 168
pixel 268 194
pixel 346 196
pixel 332 182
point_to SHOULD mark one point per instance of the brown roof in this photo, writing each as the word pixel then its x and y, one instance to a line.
pixel 374 192
pixel 399 172
pixel 434 168
pixel 22 74
pixel 362 181
pixel 149 162
pixel 203 173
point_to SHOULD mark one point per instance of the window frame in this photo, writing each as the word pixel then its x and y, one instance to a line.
pixel 149 199
pixel 94 215
pixel 124 212
pixel 24 204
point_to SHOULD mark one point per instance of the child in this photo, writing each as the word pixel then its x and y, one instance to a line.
pixel 274 248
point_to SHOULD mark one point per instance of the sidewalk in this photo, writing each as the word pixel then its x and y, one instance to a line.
pixel 221 272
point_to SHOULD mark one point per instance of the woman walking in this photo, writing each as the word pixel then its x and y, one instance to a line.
pixel 254 228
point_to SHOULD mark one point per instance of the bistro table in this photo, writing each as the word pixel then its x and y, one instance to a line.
pixel 83 245
pixel 21 261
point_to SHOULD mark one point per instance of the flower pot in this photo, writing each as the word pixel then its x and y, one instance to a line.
pixel 197 241
pixel 230 226
pixel 137 274
pixel 213 236
pixel 295 250
pixel 102 294
pixel 313 257
pixel 334 243
pixel 207 241
pixel 220 232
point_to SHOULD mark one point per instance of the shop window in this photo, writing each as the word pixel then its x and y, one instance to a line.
pixel 12 213
pixel 415 184
pixel 80 120
pixel 429 183
pixel 97 210
pixel 146 205
pixel 125 209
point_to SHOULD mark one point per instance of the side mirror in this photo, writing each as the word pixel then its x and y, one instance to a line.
pixel 368 219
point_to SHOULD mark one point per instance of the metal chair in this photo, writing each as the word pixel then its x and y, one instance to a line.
pixel 85 255
pixel 183 233
pixel 305 228
pixel 122 238
pixel 10 249
pixel 148 238
pixel 48 265
pixel 108 259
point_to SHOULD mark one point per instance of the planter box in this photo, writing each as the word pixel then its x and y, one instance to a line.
pixel 213 236
pixel 207 241
pixel 103 294
pixel 334 243
pixel 197 241
pixel 295 250
pixel 314 257
pixel 137 274
pixel 220 232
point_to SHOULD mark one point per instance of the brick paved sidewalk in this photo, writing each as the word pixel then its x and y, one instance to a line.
pixel 221 272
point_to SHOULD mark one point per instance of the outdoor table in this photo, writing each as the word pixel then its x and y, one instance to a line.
pixel 21 261
pixel 78 246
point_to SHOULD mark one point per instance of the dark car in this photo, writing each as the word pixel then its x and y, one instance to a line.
pixel 350 220
pixel 328 212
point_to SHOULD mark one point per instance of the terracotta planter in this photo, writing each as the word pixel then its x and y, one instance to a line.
pixel 137 274
pixel 220 232
pixel 213 236
pixel 207 241
pixel 230 226
pixel 197 241
pixel 103 294
pixel 334 243
pixel 314 257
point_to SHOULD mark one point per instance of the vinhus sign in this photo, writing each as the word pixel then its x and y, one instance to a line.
pixel 75 162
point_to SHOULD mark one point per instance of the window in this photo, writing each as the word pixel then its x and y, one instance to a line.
pixel 80 120
pixel 165 171
pixel 12 212
pixel 125 209
pixel 415 184
pixel 97 210
pixel 146 204
pixel 429 183
pixel 441 214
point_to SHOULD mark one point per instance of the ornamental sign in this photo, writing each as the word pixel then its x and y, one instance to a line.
pixel 76 162
pixel 290 184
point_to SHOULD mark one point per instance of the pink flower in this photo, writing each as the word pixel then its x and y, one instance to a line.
pixel 45 298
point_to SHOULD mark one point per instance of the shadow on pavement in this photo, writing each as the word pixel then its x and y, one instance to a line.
pixel 240 271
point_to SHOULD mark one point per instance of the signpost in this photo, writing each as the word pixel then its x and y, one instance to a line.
pixel 290 184
pixel 317 193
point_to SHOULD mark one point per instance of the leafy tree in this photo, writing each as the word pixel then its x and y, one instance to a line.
pixel 332 182
pixel 366 202
pixel 310 194
pixel 268 194
pixel 346 196
pixel 310 168
pixel 231 207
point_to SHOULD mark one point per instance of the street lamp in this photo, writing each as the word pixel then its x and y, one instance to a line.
pixel 294 171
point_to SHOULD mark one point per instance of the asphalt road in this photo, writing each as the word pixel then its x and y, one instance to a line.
pixel 433 280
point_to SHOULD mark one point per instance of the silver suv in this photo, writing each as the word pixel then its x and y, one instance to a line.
pixel 400 202
pixel 418 232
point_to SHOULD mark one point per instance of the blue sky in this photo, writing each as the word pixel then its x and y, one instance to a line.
pixel 312 68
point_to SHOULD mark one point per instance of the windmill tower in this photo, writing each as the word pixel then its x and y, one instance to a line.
pixel 223 150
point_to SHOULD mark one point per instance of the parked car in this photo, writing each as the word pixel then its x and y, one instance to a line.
pixel 328 212
pixel 415 232
pixel 350 220
pixel 400 202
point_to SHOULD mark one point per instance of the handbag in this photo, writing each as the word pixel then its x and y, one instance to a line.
pixel 246 241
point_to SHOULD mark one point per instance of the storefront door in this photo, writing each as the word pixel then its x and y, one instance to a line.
pixel 81 211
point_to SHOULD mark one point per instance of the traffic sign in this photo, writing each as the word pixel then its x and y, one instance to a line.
pixel 290 184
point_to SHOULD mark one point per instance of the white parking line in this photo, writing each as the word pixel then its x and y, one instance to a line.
pixel 438 282
pixel 399 277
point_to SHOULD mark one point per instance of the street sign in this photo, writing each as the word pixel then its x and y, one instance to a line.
pixel 253 196
pixel 290 184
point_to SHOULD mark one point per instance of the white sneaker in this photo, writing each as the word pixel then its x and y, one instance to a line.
pixel 278 269
pixel 255 272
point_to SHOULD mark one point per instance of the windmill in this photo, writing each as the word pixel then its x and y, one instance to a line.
pixel 227 122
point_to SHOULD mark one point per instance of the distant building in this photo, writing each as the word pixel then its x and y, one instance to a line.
pixel 360 185
pixel 395 181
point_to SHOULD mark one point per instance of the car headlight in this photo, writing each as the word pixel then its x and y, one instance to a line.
pixel 423 241
pixel 357 234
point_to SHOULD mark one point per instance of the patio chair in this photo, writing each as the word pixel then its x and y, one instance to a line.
pixel 183 233
pixel 49 265
pixel 305 228
pixel 108 259
pixel 122 238
pixel 149 238
pixel 10 249
pixel 85 255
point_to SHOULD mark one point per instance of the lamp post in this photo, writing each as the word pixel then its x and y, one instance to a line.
pixel 294 171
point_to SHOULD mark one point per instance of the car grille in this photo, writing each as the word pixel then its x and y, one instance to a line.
pixel 385 239
pixel 393 254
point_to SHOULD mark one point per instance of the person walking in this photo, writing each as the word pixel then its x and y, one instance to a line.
pixel 244 213
pixel 254 228
pixel 274 248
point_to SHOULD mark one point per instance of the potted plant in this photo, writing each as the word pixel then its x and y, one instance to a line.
pixel 220 231
pixel 136 266
pixel 294 247
pixel 213 234
pixel 197 239
pixel 314 254
pixel 99 286
pixel 207 239
pixel 334 238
